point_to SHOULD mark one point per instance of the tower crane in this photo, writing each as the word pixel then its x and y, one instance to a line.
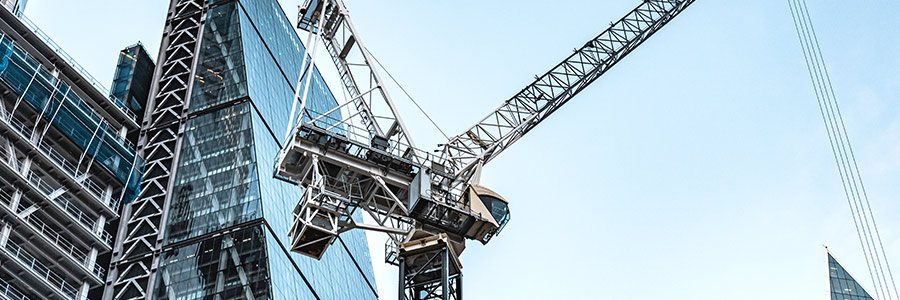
pixel 359 155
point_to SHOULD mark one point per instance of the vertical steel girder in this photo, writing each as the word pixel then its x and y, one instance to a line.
pixel 518 115
pixel 137 247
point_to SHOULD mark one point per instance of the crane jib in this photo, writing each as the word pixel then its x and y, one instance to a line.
pixel 534 103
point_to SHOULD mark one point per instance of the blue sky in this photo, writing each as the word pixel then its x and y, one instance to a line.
pixel 697 168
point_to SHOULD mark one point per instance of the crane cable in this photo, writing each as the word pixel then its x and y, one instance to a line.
pixel 851 180
pixel 407 94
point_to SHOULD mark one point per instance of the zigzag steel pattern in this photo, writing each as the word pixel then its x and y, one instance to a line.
pixel 537 101
pixel 138 247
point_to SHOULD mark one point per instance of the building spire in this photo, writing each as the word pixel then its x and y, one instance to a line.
pixel 842 285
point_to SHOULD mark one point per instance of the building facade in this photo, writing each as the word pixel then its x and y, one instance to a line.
pixel 66 165
pixel 211 222
pixel 17 7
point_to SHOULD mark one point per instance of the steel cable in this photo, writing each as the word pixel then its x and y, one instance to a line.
pixel 853 159
pixel 839 143
pixel 844 157
pixel 843 143
pixel 850 187
pixel 407 94
pixel 830 139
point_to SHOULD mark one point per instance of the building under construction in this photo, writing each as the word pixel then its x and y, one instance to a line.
pixel 67 164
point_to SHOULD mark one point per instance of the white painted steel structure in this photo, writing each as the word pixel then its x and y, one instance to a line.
pixel 362 157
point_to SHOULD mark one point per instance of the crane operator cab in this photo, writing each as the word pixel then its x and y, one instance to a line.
pixel 489 205
pixel 478 214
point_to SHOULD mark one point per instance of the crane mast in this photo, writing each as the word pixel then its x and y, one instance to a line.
pixel 358 156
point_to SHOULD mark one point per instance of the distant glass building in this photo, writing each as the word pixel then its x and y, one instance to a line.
pixel 842 285
pixel 131 82
pixel 66 165
pixel 212 222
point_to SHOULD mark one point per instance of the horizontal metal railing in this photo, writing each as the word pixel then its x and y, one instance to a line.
pixel 10 292
pixel 57 239
pixel 391 253
pixel 92 187
pixel 62 202
pixel 360 135
pixel 118 103
pixel 68 248
pixel 39 269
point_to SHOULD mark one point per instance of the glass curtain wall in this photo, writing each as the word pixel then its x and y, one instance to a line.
pixel 843 286
pixel 228 218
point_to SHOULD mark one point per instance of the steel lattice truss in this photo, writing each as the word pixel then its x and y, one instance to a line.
pixel 372 108
pixel 430 275
pixel 347 160
pixel 356 133
pixel 518 115
pixel 138 247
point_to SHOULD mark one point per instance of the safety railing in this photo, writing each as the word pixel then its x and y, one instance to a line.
pixel 60 201
pixel 391 253
pixel 92 187
pixel 65 204
pixel 10 292
pixel 118 103
pixel 64 244
pixel 99 271
pixel 5 199
pixel 39 269
pixel 334 126
pixel 60 241
pixel 56 238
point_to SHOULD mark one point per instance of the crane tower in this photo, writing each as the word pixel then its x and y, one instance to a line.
pixel 359 155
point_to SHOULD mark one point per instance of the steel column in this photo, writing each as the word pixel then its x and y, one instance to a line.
pixel 445 273
pixel 137 249
pixel 402 285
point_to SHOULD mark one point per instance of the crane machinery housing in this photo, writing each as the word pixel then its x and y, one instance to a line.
pixel 359 155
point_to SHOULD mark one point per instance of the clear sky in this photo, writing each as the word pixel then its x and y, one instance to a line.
pixel 697 168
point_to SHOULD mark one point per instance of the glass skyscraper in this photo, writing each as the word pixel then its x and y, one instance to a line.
pixel 224 228
pixel 843 286
pixel 131 82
